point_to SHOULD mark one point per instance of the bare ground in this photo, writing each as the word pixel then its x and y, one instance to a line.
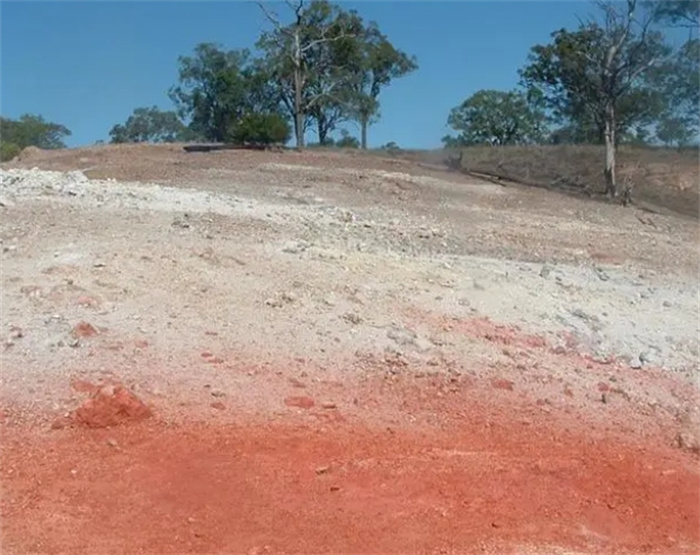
pixel 340 353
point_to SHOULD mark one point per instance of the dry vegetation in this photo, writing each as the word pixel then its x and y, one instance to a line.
pixel 665 180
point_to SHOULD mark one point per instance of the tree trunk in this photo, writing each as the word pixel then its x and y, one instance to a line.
pixel 298 111
pixel 610 147
pixel 298 84
pixel 322 129
pixel 363 140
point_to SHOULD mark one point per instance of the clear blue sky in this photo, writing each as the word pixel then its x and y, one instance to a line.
pixel 88 64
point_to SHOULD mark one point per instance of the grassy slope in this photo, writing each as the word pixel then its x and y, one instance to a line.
pixel 664 179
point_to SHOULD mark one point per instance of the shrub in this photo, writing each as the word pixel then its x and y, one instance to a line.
pixel 392 148
pixel 347 141
pixel 254 128
pixel 8 151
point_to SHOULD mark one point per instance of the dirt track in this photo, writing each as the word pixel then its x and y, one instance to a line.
pixel 341 354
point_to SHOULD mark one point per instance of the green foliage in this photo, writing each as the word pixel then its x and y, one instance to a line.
pixel 149 125
pixel 217 88
pixel 347 141
pixel 306 60
pixel 374 63
pixel 29 130
pixel 677 13
pixel 674 131
pixel 571 76
pixel 679 79
pixel 604 78
pixel 8 151
pixel 330 67
pixel 391 145
pixel 261 129
pixel 489 116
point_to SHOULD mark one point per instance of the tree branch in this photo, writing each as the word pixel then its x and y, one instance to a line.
pixel 272 18
pixel 326 39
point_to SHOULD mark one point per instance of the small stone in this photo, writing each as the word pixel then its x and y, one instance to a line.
pixel 322 470
pixel 602 274
pixel 328 405
pixel 60 423
pixel 352 318
pixel 667 304
pixel 83 329
pixel 112 442
pixel 688 441
pixel 645 357
pixel 502 384
pixel 218 393
pixel 636 363
pixel 545 271
pixel 87 301
pixel 299 402
pixel 335 488
pixel 295 248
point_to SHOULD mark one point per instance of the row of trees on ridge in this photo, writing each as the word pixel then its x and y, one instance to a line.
pixel 615 79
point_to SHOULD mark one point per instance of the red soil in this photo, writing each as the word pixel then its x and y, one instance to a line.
pixel 485 480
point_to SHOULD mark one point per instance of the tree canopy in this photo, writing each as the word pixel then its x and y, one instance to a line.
pixel 603 79
pixel 150 125
pixel 30 130
pixel 217 88
pixel 495 117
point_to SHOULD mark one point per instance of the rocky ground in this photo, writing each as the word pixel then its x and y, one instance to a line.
pixel 341 354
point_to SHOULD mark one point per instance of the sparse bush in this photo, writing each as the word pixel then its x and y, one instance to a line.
pixel 392 148
pixel 8 151
pixel 347 141
pixel 266 129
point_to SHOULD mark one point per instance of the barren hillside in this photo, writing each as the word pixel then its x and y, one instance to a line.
pixel 332 352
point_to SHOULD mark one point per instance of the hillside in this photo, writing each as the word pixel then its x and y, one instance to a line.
pixel 664 180
pixel 285 352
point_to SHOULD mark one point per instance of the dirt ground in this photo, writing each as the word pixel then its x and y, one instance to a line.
pixel 248 352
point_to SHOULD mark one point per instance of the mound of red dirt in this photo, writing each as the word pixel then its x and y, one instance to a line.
pixel 110 406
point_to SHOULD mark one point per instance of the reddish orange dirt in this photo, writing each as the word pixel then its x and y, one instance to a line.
pixel 484 481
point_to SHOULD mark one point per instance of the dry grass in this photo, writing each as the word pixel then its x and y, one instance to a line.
pixel 663 179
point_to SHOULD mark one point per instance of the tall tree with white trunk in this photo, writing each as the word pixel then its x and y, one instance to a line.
pixel 602 73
